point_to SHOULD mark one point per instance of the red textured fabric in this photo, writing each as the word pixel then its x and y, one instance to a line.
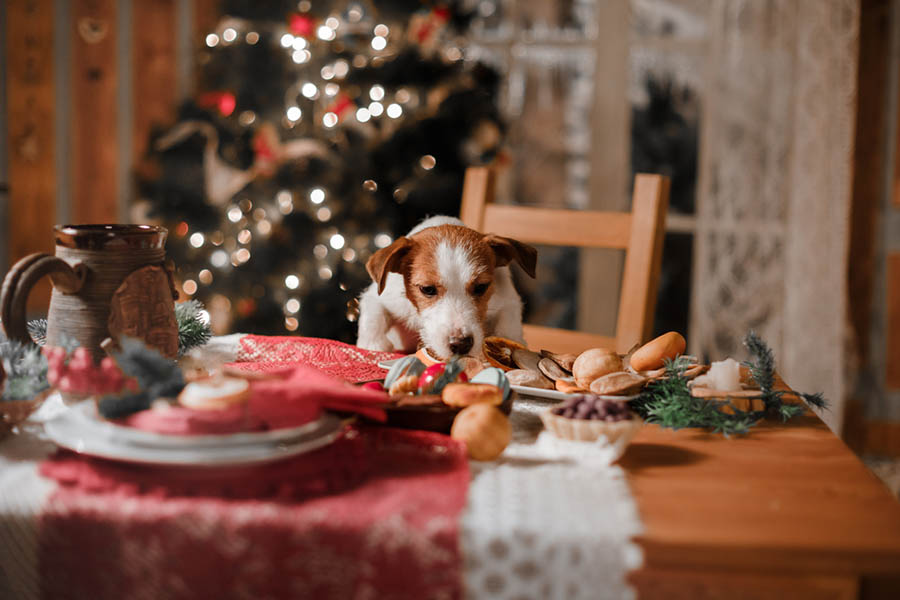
pixel 350 363
pixel 374 515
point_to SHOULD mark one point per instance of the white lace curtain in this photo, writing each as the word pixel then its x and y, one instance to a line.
pixel 775 187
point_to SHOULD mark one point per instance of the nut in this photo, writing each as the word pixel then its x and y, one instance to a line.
pixel 563 360
pixel 553 371
pixel 498 351
pixel 529 379
pixel 595 363
pixel 526 359
pixel 485 430
pixel 619 383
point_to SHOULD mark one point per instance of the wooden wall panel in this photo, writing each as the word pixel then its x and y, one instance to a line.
pixel 153 69
pixel 892 354
pixel 94 148
pixel 30 106
pixel 206 15
pixel 869 163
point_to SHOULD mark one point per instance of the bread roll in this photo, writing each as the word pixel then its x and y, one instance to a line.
pixel 654 353
pixel 467 394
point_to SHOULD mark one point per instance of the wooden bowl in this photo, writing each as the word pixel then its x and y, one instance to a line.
pixel 14 412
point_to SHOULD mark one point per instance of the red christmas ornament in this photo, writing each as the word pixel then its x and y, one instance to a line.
pixel 224 102
pixel 302 25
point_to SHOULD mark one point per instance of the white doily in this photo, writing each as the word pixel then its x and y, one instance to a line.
pixel 549 519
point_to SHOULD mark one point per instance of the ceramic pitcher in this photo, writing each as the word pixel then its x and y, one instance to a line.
pixel 108 280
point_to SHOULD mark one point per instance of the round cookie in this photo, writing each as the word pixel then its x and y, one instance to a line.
pixel 467 394
pixel 215 393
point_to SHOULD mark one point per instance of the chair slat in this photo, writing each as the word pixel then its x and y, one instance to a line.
pixel 640 233
pixel 538 337
pixel 558 227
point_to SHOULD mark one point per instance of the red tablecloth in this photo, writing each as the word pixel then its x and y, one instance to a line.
pixel 373 515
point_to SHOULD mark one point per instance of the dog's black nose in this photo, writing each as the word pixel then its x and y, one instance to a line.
pixel 461 345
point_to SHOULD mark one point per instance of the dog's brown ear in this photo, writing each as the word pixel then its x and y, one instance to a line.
pixel 386 260
pixel 507 250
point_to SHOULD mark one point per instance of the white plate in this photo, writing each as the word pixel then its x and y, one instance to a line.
pixel 69 430
pixel 86 413
pixel 524 390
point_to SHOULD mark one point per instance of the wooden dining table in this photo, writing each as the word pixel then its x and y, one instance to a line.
pixel 785 512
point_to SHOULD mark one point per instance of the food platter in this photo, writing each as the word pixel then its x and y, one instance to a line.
pixel 81 430
pixel 524 390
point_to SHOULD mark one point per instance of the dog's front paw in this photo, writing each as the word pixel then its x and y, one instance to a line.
pixel 382 345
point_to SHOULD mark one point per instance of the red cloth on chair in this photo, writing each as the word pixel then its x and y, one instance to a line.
pixel 375 514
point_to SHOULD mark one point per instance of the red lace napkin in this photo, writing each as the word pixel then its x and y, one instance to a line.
pixel 274 353
pixel 286 398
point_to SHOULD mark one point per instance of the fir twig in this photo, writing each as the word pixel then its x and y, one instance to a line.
pixel 193 330
pixel 37 329
pixel 668 402
pixel 762 370
pixel 156 375
pixel 26 370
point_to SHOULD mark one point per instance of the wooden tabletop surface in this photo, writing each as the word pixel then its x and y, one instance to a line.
pixel 787 509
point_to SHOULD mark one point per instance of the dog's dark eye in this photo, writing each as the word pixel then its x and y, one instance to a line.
pixel 428 290
pixel 480 288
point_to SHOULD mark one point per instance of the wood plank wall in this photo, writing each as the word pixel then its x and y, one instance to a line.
pixel 30 112
pixel 94 149
pixel 93 158
pixel 154 68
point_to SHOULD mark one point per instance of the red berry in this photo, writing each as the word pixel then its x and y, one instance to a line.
pixel 65 384
pixel 373 385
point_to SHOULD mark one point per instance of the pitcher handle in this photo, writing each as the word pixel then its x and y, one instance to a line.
pixel 22 277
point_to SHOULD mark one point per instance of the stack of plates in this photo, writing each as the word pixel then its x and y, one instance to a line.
pixel 80 429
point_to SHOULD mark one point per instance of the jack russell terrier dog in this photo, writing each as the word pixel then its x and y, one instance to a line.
pixel 443 286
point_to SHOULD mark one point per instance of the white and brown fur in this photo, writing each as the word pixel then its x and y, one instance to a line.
pixel 443 286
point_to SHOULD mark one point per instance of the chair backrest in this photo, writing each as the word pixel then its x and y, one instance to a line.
pixel 639 232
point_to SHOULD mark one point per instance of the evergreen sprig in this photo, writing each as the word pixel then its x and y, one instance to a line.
pixel 37 329
pixel 762 370
pixel 193 330
pixel 668 402
pixel 156 376
pixel 26 370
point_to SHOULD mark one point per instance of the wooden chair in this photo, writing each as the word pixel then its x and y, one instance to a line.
pixel 639 233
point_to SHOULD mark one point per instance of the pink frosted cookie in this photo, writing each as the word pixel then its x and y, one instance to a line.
pixel 177 420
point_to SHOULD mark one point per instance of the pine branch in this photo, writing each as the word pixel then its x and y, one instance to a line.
pixel 193 330
pixel 762 370
pixel 156 375
pixel 26 370
pixel 37 329
pixel 668 402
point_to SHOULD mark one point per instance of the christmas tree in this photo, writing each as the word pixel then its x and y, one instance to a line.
pixel 318 134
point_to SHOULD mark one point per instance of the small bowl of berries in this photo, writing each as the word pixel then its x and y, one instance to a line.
pixel 589 417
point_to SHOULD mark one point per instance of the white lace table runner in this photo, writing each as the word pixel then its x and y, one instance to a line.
pixel 549 519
